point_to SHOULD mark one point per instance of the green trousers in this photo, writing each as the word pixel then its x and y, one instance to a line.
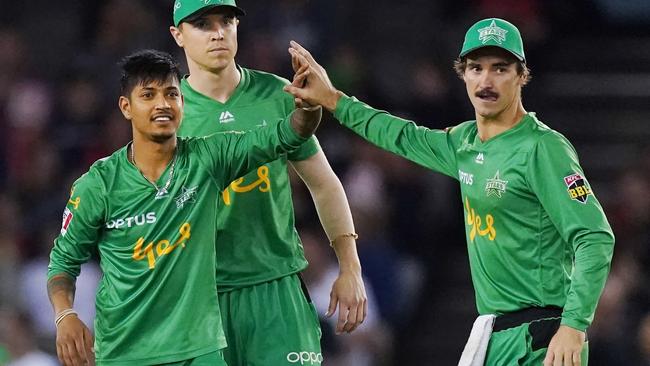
pixel 525 345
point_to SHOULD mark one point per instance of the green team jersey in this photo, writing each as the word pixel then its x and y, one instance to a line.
pixel 157 300
pixel 536 235
pixel 258 241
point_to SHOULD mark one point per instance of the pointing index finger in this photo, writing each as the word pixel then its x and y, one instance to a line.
pixel 303 51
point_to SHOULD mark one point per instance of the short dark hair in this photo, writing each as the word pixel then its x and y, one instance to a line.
pixel 145 66
pixel 460 64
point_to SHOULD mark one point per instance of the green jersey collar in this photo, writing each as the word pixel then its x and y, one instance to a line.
pixel 203 100
pixel 525 121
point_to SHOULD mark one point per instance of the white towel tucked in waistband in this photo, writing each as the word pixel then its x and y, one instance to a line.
pixel 476 347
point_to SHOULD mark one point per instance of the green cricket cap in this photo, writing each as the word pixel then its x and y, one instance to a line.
pixel 185 8
pixel 494 32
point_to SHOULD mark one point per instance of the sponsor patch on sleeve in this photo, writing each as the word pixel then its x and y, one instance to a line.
pixel 577 187
pixel 67 218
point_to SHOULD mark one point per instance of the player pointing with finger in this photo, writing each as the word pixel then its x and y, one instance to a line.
pixel 539 244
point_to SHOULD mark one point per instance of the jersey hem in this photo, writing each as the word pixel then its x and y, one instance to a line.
pixel 222 287
pixel 164 359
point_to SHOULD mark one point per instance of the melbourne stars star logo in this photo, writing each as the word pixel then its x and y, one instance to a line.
pixel 186 196
pixel 492 32
pixel 495 186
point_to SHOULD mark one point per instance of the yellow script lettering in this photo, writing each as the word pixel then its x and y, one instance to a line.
pixel 263 182
pixel 163 247
pixel 475 222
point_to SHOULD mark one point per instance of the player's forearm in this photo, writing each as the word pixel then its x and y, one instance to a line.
pixel 60 290
pixel 592 264
pixel 331 99
pixel 429 148
pixel 305 121
pixel 335 216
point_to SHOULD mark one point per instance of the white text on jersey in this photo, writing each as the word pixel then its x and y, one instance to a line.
pixel 138 220
pixel 466 178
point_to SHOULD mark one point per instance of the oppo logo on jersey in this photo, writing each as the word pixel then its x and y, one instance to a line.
pixel 137 220
pixel 305 358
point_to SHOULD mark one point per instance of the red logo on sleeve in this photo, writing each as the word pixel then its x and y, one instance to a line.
pixel 577 187
pixel 67 218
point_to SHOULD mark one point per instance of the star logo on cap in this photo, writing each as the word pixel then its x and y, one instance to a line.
pixel 492 32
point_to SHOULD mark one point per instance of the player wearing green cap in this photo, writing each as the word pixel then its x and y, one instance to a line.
pixel 539 244
pixel 148 210
pixel 268 317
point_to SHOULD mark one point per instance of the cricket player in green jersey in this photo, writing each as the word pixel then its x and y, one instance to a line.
pixel 149 211
pixel 258 265
pixel 539 244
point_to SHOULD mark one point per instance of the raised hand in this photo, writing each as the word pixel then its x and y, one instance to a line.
pixel 317 89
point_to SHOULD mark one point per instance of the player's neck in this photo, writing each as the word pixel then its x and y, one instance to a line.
pixel 150 157
pixel 488 127
pixel 219 86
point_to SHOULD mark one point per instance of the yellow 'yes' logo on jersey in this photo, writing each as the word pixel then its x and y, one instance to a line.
pixel 475 221
pixel 163 247
pixel 263 182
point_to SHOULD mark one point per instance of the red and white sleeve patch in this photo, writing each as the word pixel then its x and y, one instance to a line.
pixel 67 218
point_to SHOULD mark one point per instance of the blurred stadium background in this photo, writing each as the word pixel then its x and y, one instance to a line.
pixel 591 81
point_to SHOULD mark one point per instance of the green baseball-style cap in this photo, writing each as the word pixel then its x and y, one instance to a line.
pixel 494 32
pixel 185 8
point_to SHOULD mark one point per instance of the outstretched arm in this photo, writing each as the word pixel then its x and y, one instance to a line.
pixel 433 149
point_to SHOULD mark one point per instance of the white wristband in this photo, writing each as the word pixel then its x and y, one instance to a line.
pixel 311 109
pixel 63 314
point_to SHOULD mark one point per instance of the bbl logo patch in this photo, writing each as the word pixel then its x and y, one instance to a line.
pixel 577 187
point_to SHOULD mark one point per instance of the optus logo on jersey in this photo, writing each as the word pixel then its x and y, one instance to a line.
pixel 305 358
pixel 465 177
pixel 139 220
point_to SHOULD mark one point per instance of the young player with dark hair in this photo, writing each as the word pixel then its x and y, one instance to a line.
pixel 148 210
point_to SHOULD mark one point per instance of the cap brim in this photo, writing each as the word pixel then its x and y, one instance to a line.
pixel 468 51
pixel 238 11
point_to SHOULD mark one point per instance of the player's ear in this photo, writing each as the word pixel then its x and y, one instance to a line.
pixel 125 107
pixel 177 34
